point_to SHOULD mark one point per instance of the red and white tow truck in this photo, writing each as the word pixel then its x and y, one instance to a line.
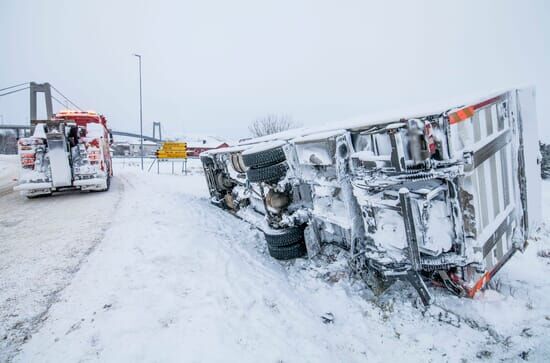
pixel 68 151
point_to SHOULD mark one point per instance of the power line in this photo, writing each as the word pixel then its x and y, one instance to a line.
pixel 17 85
pixel 10 92
pixel 65 97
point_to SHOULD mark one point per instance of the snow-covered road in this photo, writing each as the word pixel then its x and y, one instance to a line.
pixel 8 171
pixel 173 278
pixel 42 243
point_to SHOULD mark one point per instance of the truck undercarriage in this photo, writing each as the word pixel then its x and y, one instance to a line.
pixel 446 197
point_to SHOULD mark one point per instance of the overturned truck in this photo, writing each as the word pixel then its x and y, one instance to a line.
pixel 444 198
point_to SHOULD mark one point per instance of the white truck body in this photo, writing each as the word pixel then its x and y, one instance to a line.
pixel 445 197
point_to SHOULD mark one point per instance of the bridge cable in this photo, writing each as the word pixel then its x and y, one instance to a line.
pixel 58 101
pixel 10 92
pixel 65 97
pixel 17 85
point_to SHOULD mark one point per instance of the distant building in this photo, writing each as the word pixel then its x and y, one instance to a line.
pixel 131 148
pixel 8 142
pixel 194 148
pixel 149 148
pixel 121 148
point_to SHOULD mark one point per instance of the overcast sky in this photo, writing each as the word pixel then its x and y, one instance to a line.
pixel 211 67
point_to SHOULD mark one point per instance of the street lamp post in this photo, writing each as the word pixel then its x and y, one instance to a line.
pixel 140 113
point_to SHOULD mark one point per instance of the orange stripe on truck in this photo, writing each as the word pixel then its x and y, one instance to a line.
pixel 479 284
pixel 461 115
pixel 467 112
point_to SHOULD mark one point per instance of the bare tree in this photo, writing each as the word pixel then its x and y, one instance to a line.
pixel 271 124
pixel 8 142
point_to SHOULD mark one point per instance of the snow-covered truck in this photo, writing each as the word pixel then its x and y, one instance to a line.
pixel 444 197
pixel 68 151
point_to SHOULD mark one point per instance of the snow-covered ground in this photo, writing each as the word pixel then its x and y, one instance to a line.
pixel 151 271
pixel 43 242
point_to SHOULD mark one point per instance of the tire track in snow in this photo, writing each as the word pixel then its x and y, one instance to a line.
pixel 17 329
pixel 7 189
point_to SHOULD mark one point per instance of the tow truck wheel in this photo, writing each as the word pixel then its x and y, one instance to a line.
pixel 268 174
pixel 34 196
pixel 108 183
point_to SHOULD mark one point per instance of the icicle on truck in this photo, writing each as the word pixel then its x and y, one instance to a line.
pixel 67 151
pixel 444 198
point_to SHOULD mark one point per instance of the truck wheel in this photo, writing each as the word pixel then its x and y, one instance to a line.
pixel 108 183
pixel 285 237
pixel 268 174
pixel 263 158
pixel 287 252
pixel 206 161
pixel 34 196
pixel 237 163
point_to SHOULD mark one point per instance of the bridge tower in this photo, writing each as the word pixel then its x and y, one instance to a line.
pixel 44 88
pixel 155 125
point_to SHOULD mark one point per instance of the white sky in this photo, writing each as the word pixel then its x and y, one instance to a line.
pixel 211 67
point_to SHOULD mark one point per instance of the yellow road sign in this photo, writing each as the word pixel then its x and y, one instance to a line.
pixel 172 150
pixel 174 145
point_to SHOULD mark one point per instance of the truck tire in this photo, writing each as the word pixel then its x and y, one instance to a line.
pixel 237 162
pixel 263 158
pixel 286 237
pixel 206 161
pixel 108 183
pixel 287 252
pixel 268 174
pixel 39 195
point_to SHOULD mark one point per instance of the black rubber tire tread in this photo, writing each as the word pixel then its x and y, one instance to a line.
pixel 108 184
pixel 288 252
pixel 268 174
pixel 205 160
pixel 264 158
pixel 39 196
pixel 290 236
